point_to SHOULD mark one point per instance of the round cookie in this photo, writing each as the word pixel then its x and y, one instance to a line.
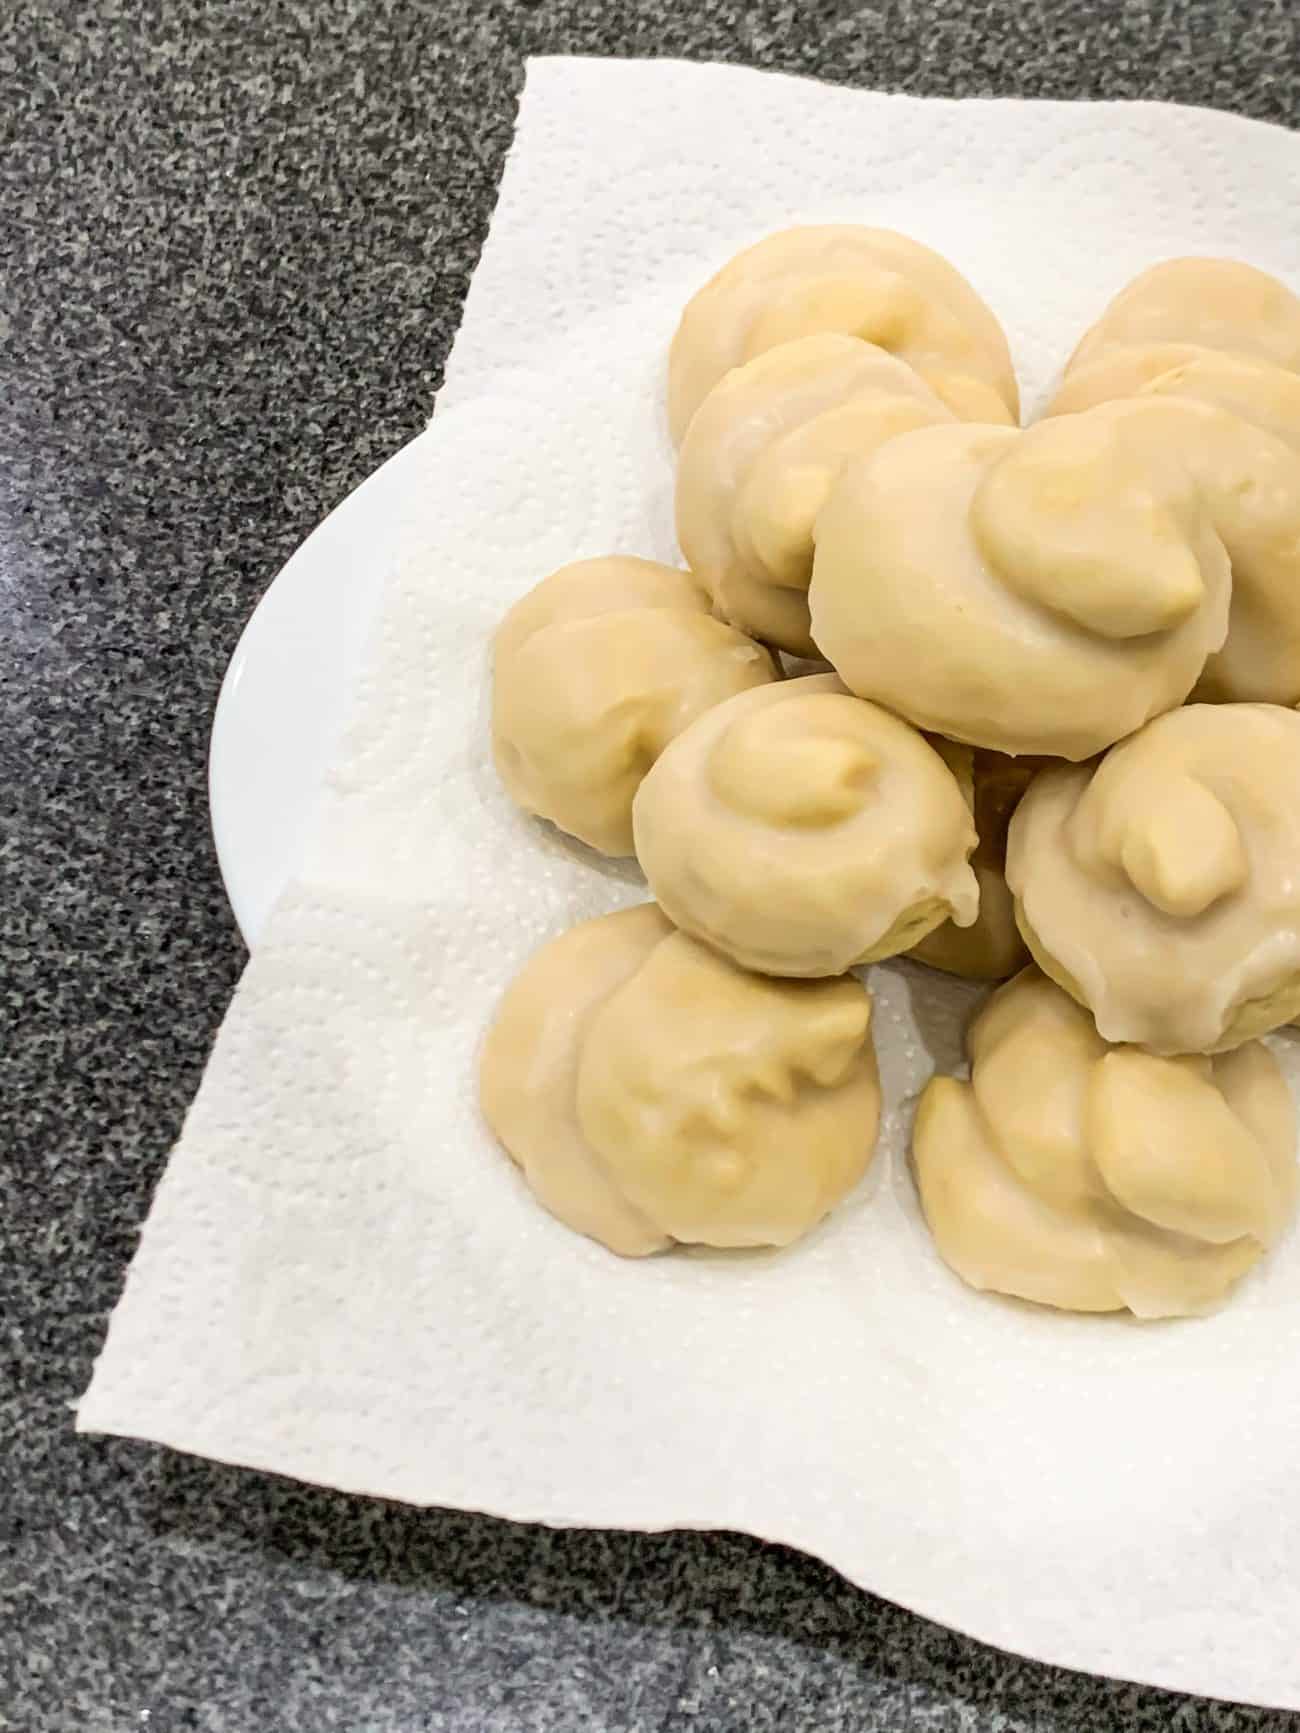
pixel 1192 304
pixel 862 282
pixel 593 672
pixel 761 456
pixel 1160 886
pixel 1018 591
pixel 655 1093
pixel 1098 1178
pixel 801 831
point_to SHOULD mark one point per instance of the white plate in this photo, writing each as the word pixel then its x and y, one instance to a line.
pixel 285 694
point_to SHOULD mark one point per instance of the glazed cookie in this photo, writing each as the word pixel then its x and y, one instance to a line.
pixel 1050 591
pixel 801 831
pixel 868 283
pixel 1227 337
pixel 1161 889
pixel 1097 1178
pixel 760 458
pixel 655 1093
pixel 594 671
pixel 1179 312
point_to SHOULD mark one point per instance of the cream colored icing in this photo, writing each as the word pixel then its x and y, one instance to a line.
pixel 1097 1178
pixel 991 948
pixel 1216 304
pixel 761 457
pixel 801 831
pixel 868 283
pixel 1161 887
pixel 653 1093
pixel 1101 565
pixel 1042 592
pixel 594 671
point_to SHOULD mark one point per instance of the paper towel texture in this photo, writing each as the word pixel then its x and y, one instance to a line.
pixel 343 1279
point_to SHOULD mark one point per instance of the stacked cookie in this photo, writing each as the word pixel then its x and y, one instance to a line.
pixel 1059 721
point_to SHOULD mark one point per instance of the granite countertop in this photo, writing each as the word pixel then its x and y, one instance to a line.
pixel 234 241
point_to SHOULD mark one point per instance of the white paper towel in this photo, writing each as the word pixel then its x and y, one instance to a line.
pixel 343 1279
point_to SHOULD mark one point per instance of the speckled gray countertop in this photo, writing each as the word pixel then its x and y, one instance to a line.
pixel 234 242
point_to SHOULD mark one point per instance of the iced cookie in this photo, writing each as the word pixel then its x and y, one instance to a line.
pixel 654 1093
pixel 868 283
pixel 1161 888
pixel 1052 590
pixel 1179 313
pixel 594 671
pixel 801 831
pixel 1226 337
pixel 1097 1178
pixel 761 457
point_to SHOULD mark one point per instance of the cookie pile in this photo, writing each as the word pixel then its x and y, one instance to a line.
pixel 1055 739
